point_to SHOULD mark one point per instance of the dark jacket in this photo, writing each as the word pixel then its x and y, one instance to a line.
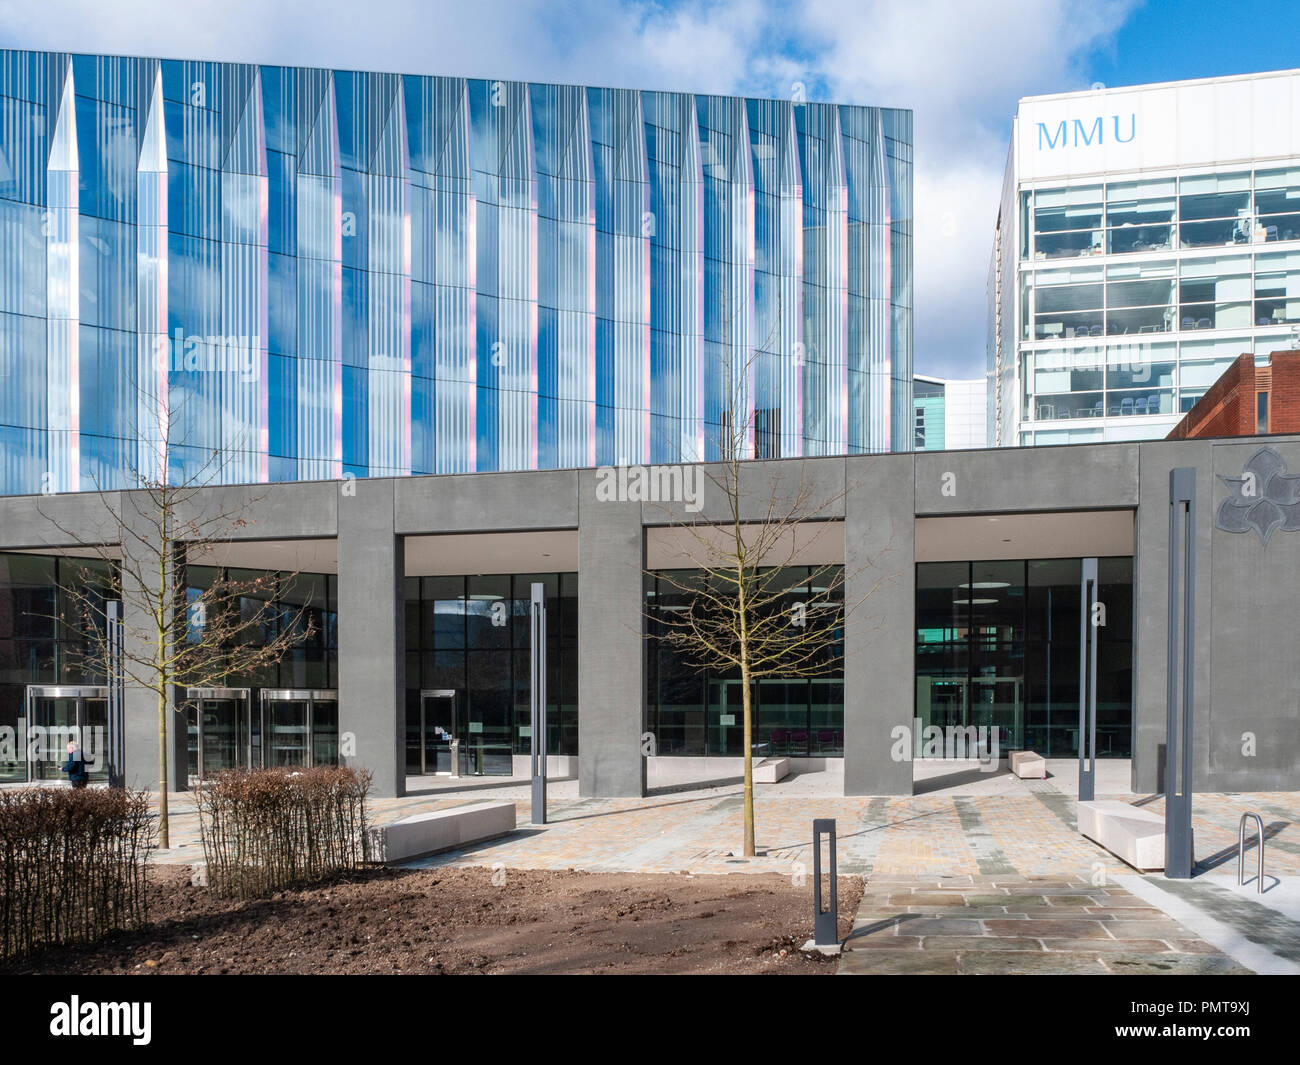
pixel 75 767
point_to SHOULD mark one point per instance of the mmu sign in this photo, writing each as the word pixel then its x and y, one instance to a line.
pixel 1084 133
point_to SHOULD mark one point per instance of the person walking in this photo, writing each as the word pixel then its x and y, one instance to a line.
pixel 75 767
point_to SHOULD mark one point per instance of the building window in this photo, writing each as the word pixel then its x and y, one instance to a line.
pixel 997 646
pixel 471 635
pixel 1261 412
pixel 697 712
pixel 767 434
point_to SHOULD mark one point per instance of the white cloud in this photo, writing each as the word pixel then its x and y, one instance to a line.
pixel 959 65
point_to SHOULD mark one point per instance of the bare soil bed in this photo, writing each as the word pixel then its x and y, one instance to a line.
pixel 450 920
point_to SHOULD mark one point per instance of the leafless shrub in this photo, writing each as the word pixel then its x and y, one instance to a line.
pixel 266 829
pixel 72 865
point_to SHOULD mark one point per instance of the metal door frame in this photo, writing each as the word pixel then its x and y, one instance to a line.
pixel 78 692
pixel 436 693
pixel 310 696
pixel 198 696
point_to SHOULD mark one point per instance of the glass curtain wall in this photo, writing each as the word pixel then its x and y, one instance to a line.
pixel 318 272
pixel 35 648
pixel 929 417
pixel 700 712
pixel 470 635
pixel 301 602
pixel 1160 214
pixel 1163 259
pixel 997 645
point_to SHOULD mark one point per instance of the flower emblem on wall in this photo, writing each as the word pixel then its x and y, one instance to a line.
pixel 1264 498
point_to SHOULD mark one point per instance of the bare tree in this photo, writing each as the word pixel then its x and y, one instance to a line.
pixel 740 612
pixel 172 634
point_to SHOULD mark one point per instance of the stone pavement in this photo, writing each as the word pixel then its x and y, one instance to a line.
pixel 1260 930
pixel 1013 924
pixel 985 875
pixel 1028 829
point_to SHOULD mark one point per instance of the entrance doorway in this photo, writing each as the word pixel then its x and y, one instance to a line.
pixel 58 715
pixel 429 735
pixel 220 729
pixel 300 726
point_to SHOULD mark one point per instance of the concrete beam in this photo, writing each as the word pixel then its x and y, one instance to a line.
pixel 1027 479
pixel 59 521
pixel 819 480
pixel 489 502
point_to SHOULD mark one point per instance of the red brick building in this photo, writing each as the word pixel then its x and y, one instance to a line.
pixel 1250 399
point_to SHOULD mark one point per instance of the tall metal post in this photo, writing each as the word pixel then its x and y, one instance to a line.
pixel 1178 706
pixel 537 700
pixel 1088 683
pixel 116 739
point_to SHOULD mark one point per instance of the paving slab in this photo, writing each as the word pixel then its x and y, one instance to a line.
pixel 1076 928
pixel 981 865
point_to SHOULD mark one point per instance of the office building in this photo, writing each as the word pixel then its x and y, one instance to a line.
pixel 950 415
pixel 320 273
pixel 1146 237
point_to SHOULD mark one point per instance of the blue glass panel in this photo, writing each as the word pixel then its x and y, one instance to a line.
pixel 512 274
pixel 282 304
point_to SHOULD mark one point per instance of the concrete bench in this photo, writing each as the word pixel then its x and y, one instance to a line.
pixel 442 830
pixel 1028 765
pixel 1134 835
pixel 770 770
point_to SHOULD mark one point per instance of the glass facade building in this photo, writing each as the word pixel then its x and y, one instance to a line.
pixel 314 273
pixel 927 404
pixel 1147 237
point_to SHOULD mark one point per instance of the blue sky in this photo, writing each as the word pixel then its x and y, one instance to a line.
pixel 961 65
pixel 1207 40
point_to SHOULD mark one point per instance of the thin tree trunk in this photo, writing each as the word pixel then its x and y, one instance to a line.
pixel 747 702
pixel 165 600
pixel 163 841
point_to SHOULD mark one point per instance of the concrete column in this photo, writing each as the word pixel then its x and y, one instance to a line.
pixel 140 709
pixel 611 683
pixel 372 635
pixel 879 636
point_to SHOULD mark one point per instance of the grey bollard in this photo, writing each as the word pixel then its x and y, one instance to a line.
pixel 825 921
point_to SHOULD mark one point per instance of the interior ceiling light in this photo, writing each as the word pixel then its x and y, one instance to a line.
pixel 985 584
pixel 973 602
